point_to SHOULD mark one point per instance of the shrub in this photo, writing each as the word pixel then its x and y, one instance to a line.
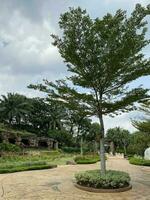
pixel 111 180
pixel 25 166
pixel 7 147
pixel 139 161
pixel 87 159
pixel 63 137
pixel 71 149
pixel 75 149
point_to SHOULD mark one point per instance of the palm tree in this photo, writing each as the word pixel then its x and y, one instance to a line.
pixel 14 108
pixel 58 115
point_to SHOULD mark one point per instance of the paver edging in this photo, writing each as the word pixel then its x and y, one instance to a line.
pixel 96 190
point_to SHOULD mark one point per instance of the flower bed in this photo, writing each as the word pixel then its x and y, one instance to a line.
pixel 111 180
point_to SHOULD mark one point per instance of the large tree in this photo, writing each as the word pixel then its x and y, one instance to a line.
pixel 103 56
pixel 14 108
pixel 118 138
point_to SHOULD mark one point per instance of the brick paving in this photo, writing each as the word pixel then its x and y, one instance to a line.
pixel 57 184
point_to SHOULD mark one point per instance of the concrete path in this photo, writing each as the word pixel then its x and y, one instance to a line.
pixel 56 184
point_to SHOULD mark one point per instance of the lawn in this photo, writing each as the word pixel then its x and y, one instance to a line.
pixel 33 159
pixel 41 159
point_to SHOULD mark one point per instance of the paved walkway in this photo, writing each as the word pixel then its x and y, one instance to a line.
pixel 56 184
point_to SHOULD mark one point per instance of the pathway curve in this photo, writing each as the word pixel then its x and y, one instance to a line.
pixel 56 184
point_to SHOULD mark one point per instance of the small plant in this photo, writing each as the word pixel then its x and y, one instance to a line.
pixel 7 147
pixel 95 179
pixel 87 159
pixel 139 161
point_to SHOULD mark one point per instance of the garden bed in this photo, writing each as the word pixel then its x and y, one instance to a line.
pixel 94 181
pixel 90 189
pixel 139 161
pixel 17 167
pixel 87 159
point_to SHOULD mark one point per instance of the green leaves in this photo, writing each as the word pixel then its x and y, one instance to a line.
pixel 14 108
pixel 104 56
pixel 144 125
pixel 95 179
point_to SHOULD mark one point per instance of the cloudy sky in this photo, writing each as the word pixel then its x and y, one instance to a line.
pixel 26 53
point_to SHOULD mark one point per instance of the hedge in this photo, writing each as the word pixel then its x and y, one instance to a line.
pixel 111 180
pixel 17 167
pixel 139 161
pixel 87 159
pixel 7 147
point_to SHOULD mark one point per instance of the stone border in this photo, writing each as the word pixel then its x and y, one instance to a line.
pixel 96 190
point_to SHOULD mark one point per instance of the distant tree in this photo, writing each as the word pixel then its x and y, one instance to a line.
pixel 119 138
pixel 58 115
pixel 46 115
pixel 14 108
pixel 144 125
pixel 103 56
pixel 83 130
pixel 81 121
pixel 93 135
pixel 39 117
pixel 138 143
pixel 63 137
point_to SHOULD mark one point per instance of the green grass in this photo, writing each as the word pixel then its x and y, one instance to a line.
pixel 139 161
pixel 111 180
pixel 87 159
pixel 17 167
pixel 59 159
pixel 33 159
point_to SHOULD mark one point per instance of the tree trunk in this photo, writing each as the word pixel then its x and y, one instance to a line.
pixel 125 150
pixel 71 129
pixel 81 146
pixel 102 148
pixel 95 147
pixel 112 148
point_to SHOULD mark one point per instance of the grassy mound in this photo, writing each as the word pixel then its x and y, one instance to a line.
pixel 139 161
pixel 87 159
pixel 25 166
pixel 94 179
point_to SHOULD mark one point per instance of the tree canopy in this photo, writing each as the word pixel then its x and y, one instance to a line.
pixel 120 138
pixel 13 108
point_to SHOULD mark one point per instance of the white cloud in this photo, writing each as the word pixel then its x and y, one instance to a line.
pixel 123 121
pixel 27 54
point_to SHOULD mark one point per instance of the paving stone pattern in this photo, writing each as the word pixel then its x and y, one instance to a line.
pixel 57 184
